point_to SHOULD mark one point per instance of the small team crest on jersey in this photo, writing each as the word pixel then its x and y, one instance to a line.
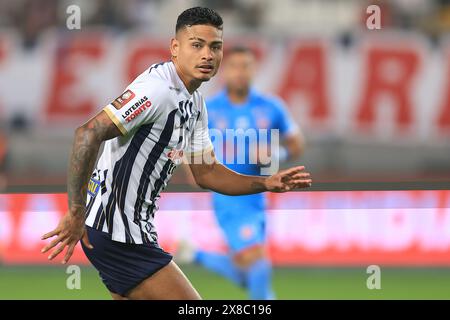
pixel 93 187
pixel 126 97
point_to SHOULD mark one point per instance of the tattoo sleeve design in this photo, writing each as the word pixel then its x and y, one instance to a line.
pixel 87 141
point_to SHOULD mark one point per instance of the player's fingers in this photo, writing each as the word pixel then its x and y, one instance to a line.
pixel 282 187
pixel 302 184
pixel 58 250
pixel 86 241
pixel 53 243
pixel 295 180
pixel 303 175
pixel 69 252
pixel 300 181
pixel 285 188
pixel 294 170
pixel 50 234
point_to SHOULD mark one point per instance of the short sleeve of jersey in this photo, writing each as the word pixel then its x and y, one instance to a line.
pixel 200 140
pixel 141 103
pixel 285 122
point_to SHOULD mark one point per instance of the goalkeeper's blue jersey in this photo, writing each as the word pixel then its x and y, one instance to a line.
pixel 231 147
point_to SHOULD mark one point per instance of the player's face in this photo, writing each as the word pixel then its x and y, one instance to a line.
pixel 238 71
pixel 198 51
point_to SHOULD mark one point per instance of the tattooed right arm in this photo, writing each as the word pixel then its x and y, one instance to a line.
pixel 71 228
pixel 87 141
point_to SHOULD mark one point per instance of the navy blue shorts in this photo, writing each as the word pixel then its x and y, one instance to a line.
pixel 122 266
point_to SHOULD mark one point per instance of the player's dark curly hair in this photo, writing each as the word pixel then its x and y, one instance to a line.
pixel 199 15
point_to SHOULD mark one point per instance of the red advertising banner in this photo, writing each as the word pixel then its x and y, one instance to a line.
pixel 409 228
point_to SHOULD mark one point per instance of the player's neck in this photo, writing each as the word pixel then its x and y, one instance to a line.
pixel 238 96
pixel 190 84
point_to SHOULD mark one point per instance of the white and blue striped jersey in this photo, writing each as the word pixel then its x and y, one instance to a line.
pixel 159 121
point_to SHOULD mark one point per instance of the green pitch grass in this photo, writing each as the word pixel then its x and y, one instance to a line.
pixel 36 282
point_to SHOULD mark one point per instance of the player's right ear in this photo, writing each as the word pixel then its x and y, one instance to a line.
pixel 174 47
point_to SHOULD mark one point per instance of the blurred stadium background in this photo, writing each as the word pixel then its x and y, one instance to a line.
pixel 374 106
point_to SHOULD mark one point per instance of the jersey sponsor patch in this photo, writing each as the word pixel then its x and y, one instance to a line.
pixel 136 109
pixel 93 187
pixel 126 97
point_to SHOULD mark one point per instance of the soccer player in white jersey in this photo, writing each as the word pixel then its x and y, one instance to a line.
pixel 157 120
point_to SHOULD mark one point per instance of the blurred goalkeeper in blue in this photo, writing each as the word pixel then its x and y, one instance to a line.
pixel 242 219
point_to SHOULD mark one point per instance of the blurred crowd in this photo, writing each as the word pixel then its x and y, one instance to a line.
pixel 32 17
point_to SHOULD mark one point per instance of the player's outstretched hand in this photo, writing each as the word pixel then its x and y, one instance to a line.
pixel 69 231
pixel 288 180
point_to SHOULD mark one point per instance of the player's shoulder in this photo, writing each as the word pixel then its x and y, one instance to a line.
pixel 153 85
pixel 150 82
pixel 151 76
